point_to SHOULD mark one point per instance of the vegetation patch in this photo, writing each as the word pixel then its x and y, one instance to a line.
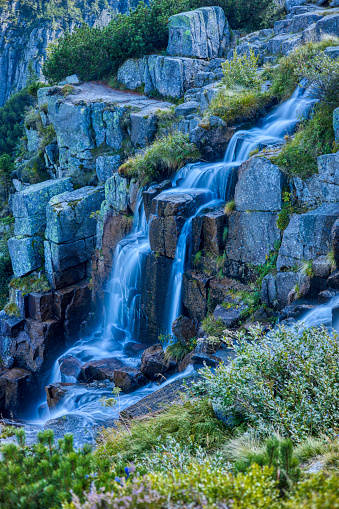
pixel 286 382
pixel 36 282
pixel 162 159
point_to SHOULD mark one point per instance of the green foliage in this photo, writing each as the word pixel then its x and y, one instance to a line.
pixel 36 282
pixel 93 53
pixel 314 137
pixel 242 71
pixel 287 210
pixel 6 169
pixel 11 121
pixel 177 351
pixel 42 476
pixel 269 267
pixel 198 486
pixel 213 327
pixel 12 310
pixel 193 421
pixel 161 159
pixel 277 455
pixel 287 381
pixel 229 207
pixel 197 258
pixel 317 492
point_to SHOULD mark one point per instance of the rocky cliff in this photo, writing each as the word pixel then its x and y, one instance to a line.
pixel 26 30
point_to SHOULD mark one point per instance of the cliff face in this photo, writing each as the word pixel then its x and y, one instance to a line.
pixel 26 32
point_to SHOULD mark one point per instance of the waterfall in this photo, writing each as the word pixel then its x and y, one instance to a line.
pixel 217 181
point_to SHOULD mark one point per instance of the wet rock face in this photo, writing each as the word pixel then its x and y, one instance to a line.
pixel 16 390
pixel 154 299
pixel 99 370
pixel 71 235
pixel 195 294
pixel 203 33
pixel 185 329
pixel 56 392
pixel 153 364
pixel 70 366
pixel 169 213
pixel 208 232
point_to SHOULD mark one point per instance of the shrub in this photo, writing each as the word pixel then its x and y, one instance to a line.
pixel 6 272
pixel 198 487
pixel 213 327
pixel 161 159
pixel 93 53
pixel 288 381
pixel 11 121
pixel 317 492
pixel 42 476
pixel 242 71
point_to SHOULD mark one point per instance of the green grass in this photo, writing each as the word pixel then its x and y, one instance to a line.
pixel 314 137
pixel 235 106
pixel 161 159
pixel 193 420
pixel 36 282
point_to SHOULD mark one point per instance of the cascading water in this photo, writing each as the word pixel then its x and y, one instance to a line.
pixel 216 183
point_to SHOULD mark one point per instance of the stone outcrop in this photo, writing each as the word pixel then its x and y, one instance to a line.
pixel 202 33
pixel 29 210
pixel 169 76
pixel 253 231
pixel 94 116
pixel 71 235
pixel 322 187
pixel 99 370
pixel 308 236
pixel 24 38
pixel 129 379
pixel 153 364
pixel 15 387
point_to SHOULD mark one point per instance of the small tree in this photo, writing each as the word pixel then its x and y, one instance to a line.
pixel 6 169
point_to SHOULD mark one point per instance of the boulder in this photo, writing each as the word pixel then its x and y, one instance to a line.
pixel 17 389
pixel 186 108
pixel 133 349
pixel 116 194
pixel 25 253
pixel 195 294
pixel 202 33
pixel 199 360
pixel 296 23
pixel 40 306
pixel 322 187
pixel 71 234
pixel 151 193
pixel 332 52
pixel 144 124
pixel 29 205
pixel 208 232
pixel 328 26
pixel 275 290
pixel 251 236
pixel 212 142
pixel 56 392
pixel 185 329
pixel 259 186
pixel 106 166
pixel 153 364
pixel 154 297
pixel 321 266
pixel 38 345
pixel 308 236
pixel 129 379
pixel 99 370
pixel 169 212
pixel 230 313
pixel 289 4
pixel 333 280
pixel 69 214
pixel 132 73
pixel 70 366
